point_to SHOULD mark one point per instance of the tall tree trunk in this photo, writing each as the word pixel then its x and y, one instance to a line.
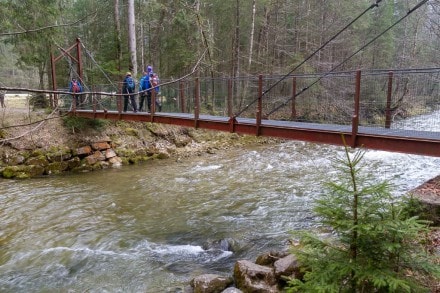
pixel 142 49
pixel 236 48
pixel 236 51
pixel 251 41
pixel 132 38
pixel 206 44
pixel 117 35
pixel 251 47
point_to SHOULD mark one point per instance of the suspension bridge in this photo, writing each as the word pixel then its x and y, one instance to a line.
pixel 390 110
pixel 397 111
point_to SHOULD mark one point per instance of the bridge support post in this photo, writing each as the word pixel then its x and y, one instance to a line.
pixel 389 94
pixel 232 122
pixel 230 98
pixel 182 96
pixel 196 103
pixel 77 60
pixel 355 118
pixel 293 114
pixel 54 101
pixel 94 102
pixel 260 104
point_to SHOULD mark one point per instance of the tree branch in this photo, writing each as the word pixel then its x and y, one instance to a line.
pixel 45 27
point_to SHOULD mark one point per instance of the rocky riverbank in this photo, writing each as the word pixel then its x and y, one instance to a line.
pixel 33 143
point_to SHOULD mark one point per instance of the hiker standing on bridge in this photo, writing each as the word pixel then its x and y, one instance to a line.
pixel 75 88
pixel 128 90
pixel 152 83
pixel 143 85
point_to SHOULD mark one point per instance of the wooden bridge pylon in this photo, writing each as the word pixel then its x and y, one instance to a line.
pixel 77 60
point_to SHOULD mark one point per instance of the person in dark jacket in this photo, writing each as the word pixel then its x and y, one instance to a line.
pixel 128 88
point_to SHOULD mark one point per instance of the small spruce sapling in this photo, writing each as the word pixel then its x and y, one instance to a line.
pixel 375 245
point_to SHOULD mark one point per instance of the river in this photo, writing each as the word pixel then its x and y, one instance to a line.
pixel 152 227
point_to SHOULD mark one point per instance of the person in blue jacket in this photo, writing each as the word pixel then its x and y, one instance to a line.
pixel 128 87
pixel 143 85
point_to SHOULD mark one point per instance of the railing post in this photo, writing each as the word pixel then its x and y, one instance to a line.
pixel 260 104
pixel 152 104
pixel 54 102
pixel 182 96
pixel 196 103
pixel 119 102
pixel 293 114
pixel 388 107
pixel 232 119
pixel 79 59
pixel 355 118
pixel 153 101
pixel 230 113
pixel 94 102
pixel 74 101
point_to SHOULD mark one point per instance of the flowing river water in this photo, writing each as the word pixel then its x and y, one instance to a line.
pixel 152 227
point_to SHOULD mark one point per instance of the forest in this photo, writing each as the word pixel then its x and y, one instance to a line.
pixel 228 38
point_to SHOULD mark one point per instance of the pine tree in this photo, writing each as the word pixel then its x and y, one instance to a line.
pixel 374 245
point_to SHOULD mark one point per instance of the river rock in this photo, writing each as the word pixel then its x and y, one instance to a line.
pixel 163 154
pixel 83 151
pixel 110 153
pixel 250 277
pixel 269 258
pixel 95 157
pixel 16 160
pixel 58 155
pixel 100 146
pixel 232 290
pixel 287 267
pixel 90 160
pixel 22 171
pixel 56 167
pixel 226 244
pixel 40 161
pixel 429 195
pixel 210 283
pixel 74 162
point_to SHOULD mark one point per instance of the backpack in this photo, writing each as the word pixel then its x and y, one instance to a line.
pixel 75 87
pixel 154 80
pixel 130 83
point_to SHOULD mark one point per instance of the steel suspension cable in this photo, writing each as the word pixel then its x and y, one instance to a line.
pixel 100 68
pixel 376 4
pixel 420 4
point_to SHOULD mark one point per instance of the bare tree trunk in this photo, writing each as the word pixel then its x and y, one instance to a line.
pixel 251 48
pixel 251 41
pixel 142 48
pixel 117 34
pixel 206 44
pixel 132 37
pixel 236 50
